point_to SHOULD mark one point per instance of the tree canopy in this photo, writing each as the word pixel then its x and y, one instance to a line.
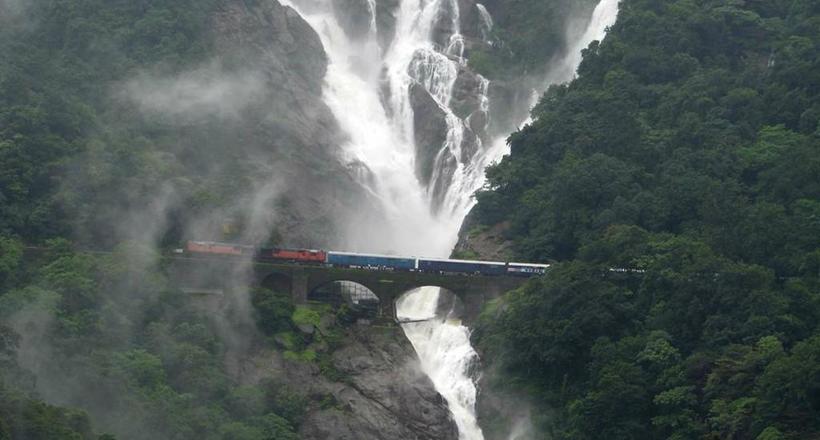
pixel 676 183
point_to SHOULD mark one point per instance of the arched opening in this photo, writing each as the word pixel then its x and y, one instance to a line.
pixel 277 282
pixel 360 300
pixel 428 303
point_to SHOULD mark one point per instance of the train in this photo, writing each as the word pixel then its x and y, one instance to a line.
pixel 365 261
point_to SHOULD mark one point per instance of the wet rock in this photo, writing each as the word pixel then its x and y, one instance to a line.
pixel 381 392
pixel 478 122
pixel 430 126
pixel 354 16
pixel 383 370
pixel 447 165
pixel 483 242
pixel 378 390
pixel 445 25
pixel 386 21
pixel 467 92
pixel 470 19
pixel 469 144
pixel 286 133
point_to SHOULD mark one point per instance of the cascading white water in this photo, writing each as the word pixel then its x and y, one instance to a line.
pixel 446 356
pixel 603 17
pixel 418 219
pixel 486 21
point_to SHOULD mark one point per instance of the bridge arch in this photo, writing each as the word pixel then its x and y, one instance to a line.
pixel 277 282
pixel 363 302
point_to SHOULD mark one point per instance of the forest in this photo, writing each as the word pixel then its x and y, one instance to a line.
pixel 113 336
pixel 675 184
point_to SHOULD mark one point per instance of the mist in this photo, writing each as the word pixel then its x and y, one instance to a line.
pixel 238 142
pixel 198 94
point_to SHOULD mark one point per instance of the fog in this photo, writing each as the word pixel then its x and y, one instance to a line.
pixel 195 95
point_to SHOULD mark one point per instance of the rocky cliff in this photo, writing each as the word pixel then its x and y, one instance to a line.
pixel 286 139
pixel 369 387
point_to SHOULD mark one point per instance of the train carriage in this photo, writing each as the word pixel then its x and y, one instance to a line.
pixel 370 261
pixel 366 261
pixel 462 266
pixel 526 270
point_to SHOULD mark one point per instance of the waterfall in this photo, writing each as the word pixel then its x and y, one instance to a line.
pixel 486 21
pixel 446 356
pixel 603 17
pixel 422 195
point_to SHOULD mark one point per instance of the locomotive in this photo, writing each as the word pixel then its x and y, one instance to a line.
pixel 366 261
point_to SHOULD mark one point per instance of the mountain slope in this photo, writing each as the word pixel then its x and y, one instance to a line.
pixel 676 182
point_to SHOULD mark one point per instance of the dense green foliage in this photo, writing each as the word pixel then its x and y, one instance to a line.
pixel 61 62
pixel 93 155
pixel 25 418
pixel 111 336
pixel 677 182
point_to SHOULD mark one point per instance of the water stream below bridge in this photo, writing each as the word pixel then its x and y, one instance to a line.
pixel 370 88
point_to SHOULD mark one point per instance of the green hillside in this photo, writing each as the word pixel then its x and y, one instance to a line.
pixel 677 184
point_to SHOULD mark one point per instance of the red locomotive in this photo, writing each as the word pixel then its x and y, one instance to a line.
pixel 276 254
pixel 298 255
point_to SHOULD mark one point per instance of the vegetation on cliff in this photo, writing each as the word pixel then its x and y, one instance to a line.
pixel 167 117
pixel 676 184
pixel 61 63
pixel 115 123
pixel 110 335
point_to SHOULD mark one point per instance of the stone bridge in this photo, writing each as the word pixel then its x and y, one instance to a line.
pixel 212 275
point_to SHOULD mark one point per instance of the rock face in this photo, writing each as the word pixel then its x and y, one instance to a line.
pixel 285 138
pixel 485 243
pixel 387 391
pixel 354 16
pixel 386 21
pixel 382 394
pixel 430 126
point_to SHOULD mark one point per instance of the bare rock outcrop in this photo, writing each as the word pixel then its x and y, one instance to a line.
pixel 285 136
pixel 382 392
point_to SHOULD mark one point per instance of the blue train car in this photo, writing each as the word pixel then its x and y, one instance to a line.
pixel 526 270
pixel 369 261
pixel 463 266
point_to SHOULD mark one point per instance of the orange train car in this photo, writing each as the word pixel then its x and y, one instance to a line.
pixel 299 255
